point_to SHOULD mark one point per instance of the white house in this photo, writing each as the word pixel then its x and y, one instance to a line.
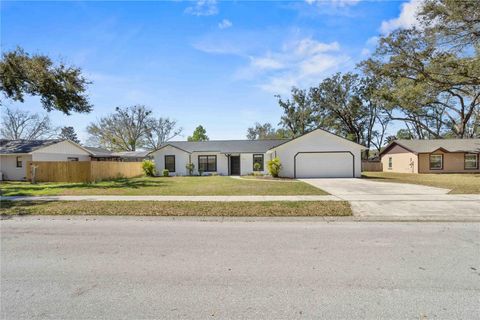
pixel 315 154
pixel 14 155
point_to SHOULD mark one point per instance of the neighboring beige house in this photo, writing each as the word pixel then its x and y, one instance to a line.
pixel 432 156
pixel 318 154
pixel 14 155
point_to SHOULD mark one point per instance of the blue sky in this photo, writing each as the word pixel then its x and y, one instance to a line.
pixel 218 64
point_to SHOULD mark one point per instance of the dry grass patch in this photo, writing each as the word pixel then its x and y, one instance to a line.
pixel 461 183
pixel 177 208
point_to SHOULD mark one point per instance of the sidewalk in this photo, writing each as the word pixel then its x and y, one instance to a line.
pixel 174 198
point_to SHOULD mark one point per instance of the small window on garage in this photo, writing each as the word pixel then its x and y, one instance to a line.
pixel 72 159
pixel 170 163
pixel 19 162
pixel 390 163
pixel 436 161
pixel 258 158
pixel 471 161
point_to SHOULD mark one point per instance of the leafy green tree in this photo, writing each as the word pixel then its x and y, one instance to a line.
pixel 298 113
pixel 200 134
pixel 264 132
pixel 68 133
pixel 59 87
pixel 124 130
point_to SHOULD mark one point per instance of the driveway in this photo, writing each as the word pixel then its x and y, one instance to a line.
pixel 400 201
pixel 153 268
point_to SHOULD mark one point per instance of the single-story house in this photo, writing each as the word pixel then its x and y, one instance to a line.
pixel 432 156
pixel 101 154
pixel 14 155
pixel 315 154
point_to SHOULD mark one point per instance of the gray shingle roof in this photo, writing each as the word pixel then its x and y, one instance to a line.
pixel 227 146
pixel 24 146
pixel 99 152
pixel 451 145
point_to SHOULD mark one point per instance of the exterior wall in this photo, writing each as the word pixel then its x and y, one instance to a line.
pixel 181 160
pixel 452 163
pixel 246 163
pixel 8 167
pixel 316 141
pixel 60 152
pixel 403 161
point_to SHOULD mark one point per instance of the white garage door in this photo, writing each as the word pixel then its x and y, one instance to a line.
pixel 324 165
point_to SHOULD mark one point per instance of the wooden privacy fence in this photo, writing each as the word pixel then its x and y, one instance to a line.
pixel 372 166
pixel 82 171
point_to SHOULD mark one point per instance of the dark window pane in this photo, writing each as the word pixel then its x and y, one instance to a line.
pixel 170 163
pixel 258 158
pixel 202 163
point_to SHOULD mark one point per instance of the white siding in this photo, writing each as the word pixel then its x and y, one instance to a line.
pixel 60 152
pixel 316 141
pixel 181 160
pixel 8 167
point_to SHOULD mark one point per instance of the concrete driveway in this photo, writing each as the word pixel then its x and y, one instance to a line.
pixel 401 201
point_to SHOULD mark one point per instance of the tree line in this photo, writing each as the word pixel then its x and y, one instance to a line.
pixel 426 77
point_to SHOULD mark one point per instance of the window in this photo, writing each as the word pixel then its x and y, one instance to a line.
pixel 471 161
pixel 170 163
pixel 436 161
pixel 72 158
pixel 258 158
pixel 390 163
pixel 207 163
pixel 19 162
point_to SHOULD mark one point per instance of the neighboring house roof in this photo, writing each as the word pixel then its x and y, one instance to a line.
pixel 24 146
pixel 131 154
pixel 99 152
pixel 226 146
pixel 428 146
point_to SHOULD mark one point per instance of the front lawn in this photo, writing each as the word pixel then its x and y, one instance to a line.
pixel 201 186
pixel 178 208
pixel 466 183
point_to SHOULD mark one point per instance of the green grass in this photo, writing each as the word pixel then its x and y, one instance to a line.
pixel 466 183
pixel 160 208
pixel 162 186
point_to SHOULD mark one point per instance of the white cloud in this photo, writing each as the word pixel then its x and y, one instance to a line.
pixel 365 52
pixel 203 8
pixel 301 63
pixel 406 19
pixel 336 3
pixel 224 24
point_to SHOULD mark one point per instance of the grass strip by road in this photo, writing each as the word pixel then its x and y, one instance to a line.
pixel 168 186
pixel 461 183
pixel 177 208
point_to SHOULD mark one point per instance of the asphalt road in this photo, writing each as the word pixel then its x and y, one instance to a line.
pixel 145 268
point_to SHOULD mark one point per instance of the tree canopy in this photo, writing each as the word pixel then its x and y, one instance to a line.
pixel 199 134
pixel 59 87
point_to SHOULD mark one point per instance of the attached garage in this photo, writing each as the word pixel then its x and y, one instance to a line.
pixel 319 154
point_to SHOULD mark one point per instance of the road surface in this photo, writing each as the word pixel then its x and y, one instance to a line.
pixel 145 268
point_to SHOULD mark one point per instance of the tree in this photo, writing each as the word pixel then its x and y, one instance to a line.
pixel 298 114
pixel 59 87
pixel 200 134
pixel 159 131
pixel 17 124
pixel 124 130
pixel 68 133
pixel 264 132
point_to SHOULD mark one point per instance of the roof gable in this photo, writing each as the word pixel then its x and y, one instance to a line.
pixel 225 146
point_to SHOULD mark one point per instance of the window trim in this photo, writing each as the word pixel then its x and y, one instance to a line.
pixel 19 160
pixel 430 161
pixel 262 168
pixel 465 161
pixel 390 163
pixel 165 162
pixel 72 159
pixel 207 156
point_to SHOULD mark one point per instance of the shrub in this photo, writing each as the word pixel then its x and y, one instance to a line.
pixel 148 168
pixel 165 173
pixel 274 167
pixel 190 167
pixel 257 166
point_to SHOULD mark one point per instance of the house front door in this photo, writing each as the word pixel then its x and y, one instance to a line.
pixel 235 165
